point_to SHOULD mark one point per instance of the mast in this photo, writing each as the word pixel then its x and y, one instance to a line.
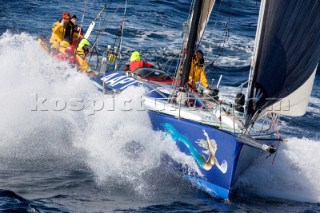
pixel 191 41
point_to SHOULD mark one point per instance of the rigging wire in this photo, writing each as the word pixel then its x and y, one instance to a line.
pixel 121 39
pixel 225 34
pixel 120 36
pixel 99 16
pixel 84 11
pixel 103 29
pixel 93 48
pixel 274 122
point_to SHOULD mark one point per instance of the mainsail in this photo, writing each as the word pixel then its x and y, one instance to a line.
pixel 206 9
pixel 198 22
pixel 286 56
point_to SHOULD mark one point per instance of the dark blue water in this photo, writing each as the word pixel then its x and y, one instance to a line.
pixel 67 161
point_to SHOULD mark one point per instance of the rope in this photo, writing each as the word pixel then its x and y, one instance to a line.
pixel 275 125
pixel 279 137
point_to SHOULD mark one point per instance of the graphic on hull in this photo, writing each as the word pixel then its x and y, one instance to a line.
pixel 209 145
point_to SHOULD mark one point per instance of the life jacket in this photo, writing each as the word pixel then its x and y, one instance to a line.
pixel 80 52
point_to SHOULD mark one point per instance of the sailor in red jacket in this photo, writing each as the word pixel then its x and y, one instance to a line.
pixel 136 63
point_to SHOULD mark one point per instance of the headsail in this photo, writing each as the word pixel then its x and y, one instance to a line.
pixel 286 56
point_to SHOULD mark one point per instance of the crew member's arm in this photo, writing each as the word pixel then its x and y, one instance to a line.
pixel 56 27
pixel 146 64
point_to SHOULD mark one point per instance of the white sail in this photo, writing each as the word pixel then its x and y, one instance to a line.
pixel 296 103
pixel 206 9
pixel 207 6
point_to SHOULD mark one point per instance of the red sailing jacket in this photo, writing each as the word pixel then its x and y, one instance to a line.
pixel 138 64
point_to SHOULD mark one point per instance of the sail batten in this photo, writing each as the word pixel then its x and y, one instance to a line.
pixel 287 52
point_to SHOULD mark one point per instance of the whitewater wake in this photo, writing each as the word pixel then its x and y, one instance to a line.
pixel 294 174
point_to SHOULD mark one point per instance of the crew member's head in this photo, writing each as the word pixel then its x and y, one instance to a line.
pixel 135 56
pixel 199 57
pixel 74 19
pixel 66 16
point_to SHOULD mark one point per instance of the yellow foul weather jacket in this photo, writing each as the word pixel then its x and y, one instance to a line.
pixel 81 57
pixel 63 45
pixel 197 73
pixel 59 32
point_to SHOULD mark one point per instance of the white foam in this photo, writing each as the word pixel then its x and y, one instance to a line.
pixel 117 144
pixel 27 71
pixel 315 100
pixel 235 51
pixel 294 175
pixel 121 144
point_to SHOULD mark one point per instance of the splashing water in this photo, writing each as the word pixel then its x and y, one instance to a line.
pixel 294 174
pixel 49 111
pixel 27 72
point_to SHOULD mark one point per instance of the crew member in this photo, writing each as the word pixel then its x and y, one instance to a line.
pixel 60 30
pixel 81 53
pixel 136 63
pixel 197 71
pixel 78 32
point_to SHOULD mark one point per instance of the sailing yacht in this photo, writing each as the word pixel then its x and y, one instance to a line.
pixel 223 140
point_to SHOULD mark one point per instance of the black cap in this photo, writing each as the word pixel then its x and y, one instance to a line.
pixel 74 16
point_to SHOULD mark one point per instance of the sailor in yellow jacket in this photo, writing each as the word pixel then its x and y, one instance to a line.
pixel 197 71
pixel 60 30
pixel 81 53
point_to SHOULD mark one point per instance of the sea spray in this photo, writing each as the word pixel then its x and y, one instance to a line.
pixel 53 116
pixel 26 70
pixel 294 175
pixel 123 149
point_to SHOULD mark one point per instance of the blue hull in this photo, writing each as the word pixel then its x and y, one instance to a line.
pixel 186 134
